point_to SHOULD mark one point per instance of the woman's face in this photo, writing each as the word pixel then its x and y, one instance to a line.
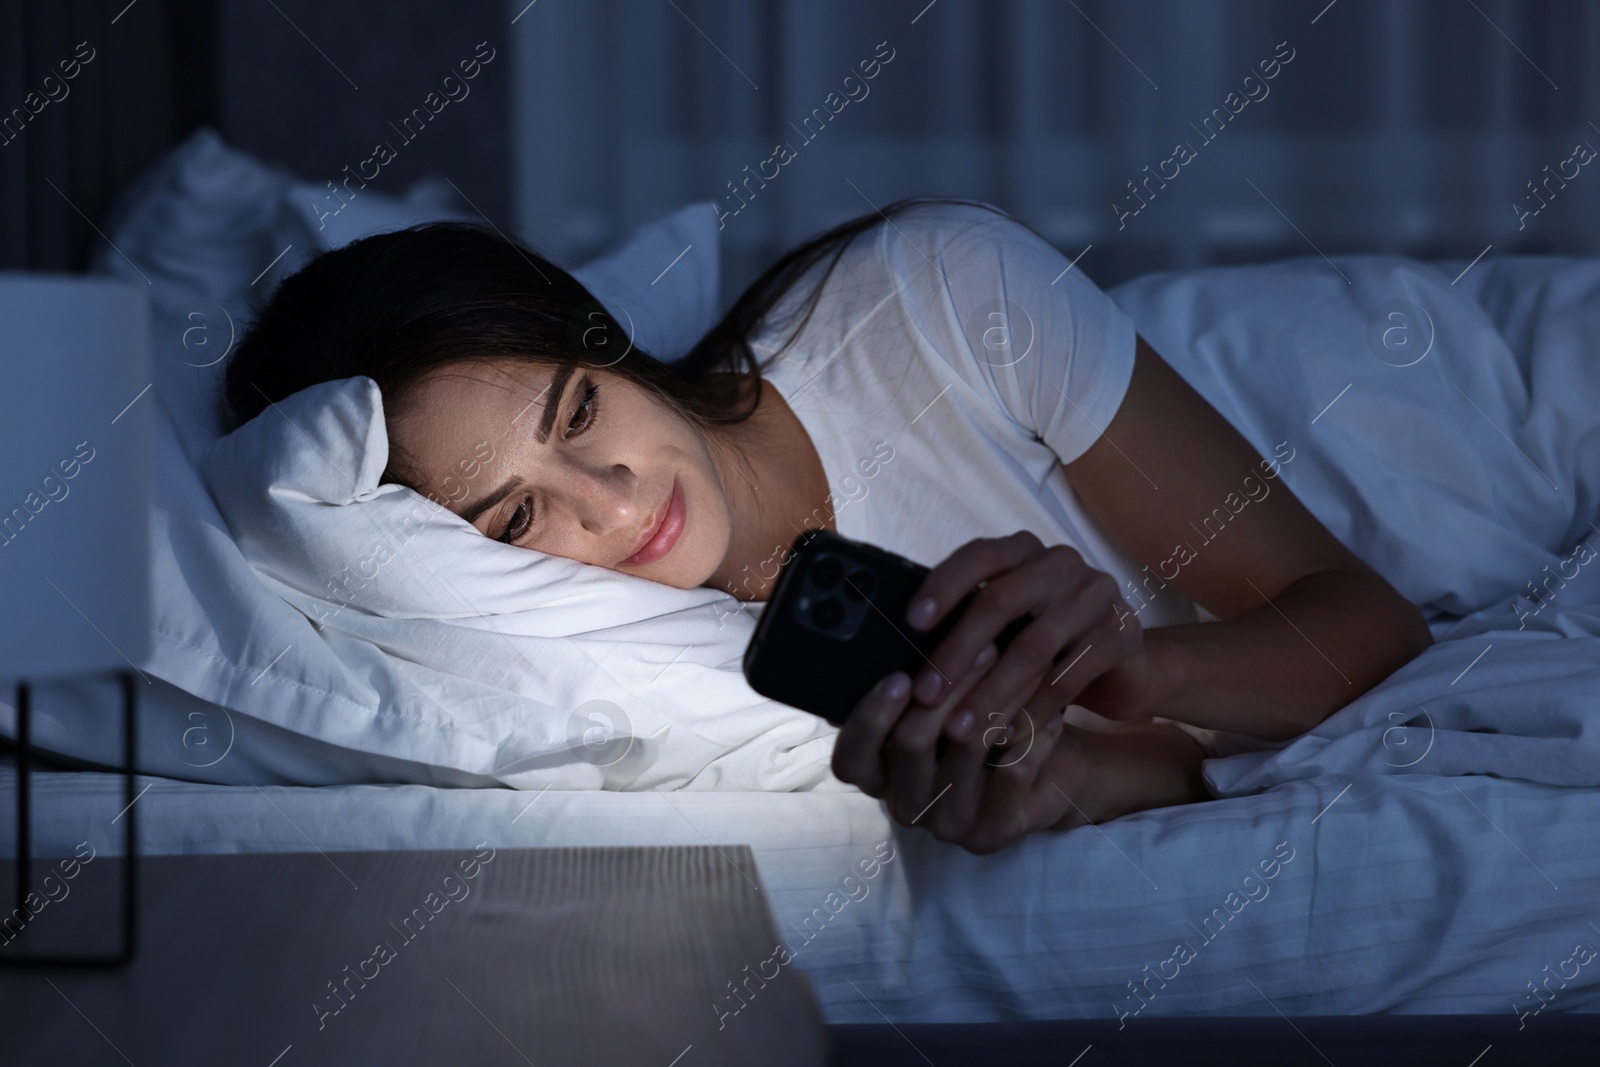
pixel 573 461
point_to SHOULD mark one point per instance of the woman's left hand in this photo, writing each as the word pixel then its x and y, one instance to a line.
pixel 1083 645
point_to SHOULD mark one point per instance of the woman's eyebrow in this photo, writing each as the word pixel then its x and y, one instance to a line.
pixel 552 407
pixel 472 511
pixel 552 403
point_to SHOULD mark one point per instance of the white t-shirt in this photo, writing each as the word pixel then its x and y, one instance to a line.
pixel 951 366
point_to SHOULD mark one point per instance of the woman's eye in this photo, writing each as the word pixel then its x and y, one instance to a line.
pixel 587 410
pixel 515 528
pixel 583 418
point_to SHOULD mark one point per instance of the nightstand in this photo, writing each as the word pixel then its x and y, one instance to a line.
pixel 476 955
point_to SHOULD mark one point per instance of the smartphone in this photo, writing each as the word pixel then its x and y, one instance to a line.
pixel 836 624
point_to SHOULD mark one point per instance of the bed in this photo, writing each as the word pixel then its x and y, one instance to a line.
pixel 1390 893
pixel 1427 851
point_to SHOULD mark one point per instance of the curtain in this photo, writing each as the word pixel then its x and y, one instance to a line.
pixel 91 92
pixel 1423 127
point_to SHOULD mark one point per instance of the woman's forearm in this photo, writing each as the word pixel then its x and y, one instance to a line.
pixel 1278 670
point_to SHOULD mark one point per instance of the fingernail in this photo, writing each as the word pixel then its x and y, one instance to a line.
pixel 985 657
pixel 921 612
pixel 961 724
pixel 895 686
pixel 929 685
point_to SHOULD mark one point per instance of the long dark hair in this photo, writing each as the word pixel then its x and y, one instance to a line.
pixel 395 306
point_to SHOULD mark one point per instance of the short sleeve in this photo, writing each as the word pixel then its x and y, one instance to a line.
pixel 1012 313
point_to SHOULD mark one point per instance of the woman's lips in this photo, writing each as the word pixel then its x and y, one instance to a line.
pixel 666 534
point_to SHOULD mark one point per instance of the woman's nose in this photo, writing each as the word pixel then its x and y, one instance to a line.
pixel 607 499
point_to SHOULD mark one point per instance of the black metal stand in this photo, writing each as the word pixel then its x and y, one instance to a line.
pixel 130 868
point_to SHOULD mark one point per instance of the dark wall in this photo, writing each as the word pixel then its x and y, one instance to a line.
pixel 1418 142
pixel 314 86
pixel 91 92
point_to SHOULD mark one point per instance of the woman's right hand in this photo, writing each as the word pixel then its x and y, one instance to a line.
pixel 1079 638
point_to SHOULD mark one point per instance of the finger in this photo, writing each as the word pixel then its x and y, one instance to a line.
pixel 957 718
pixel 962 769
pixel 954 729
pixel 1051 690
pixel 976 561
pixel 1037 709
pixel 1025 588
pixel 1010 738
pixel 1006 808
pixel 1079 667
pixel 911 760
pixel 911 755
pixel 1064 606
pixel 1083 663
pixel 1096 652
pixel 858 750
pixel 910 765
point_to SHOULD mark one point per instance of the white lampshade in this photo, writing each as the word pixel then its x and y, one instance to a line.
pixel 75 477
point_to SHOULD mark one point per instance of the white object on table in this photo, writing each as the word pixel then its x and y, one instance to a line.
pixel 75 475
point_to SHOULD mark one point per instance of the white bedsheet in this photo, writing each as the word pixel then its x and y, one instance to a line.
pixel 1391 893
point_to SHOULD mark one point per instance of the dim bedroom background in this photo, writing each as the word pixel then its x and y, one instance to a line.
pixel 1426 850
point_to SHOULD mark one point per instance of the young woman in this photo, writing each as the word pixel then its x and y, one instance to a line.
pixel 935 379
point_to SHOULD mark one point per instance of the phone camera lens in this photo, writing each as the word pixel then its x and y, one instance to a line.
pixel 826 573
pixel 827 613
pixel 859 584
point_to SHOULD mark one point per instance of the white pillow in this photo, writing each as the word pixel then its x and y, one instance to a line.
pixel 199 227
pixel 644 284
pixel 434 644
pixel 323 221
